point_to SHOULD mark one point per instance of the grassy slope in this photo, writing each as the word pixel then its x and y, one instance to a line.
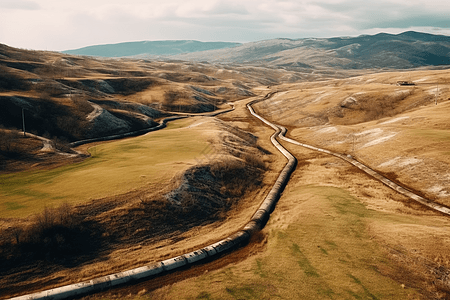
pixel 390 128
pixel 323 251
pixel 352 239
pixel 335 234
pixel 114 168
pixel 322 243
pixel 122 212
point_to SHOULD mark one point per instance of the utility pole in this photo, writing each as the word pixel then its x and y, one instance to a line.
pixel 437 92
pixel 23 122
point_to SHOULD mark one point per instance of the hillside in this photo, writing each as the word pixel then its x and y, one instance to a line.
pixel 149 48
pixel 73 214
pixel 405 50
pixel 67 98
pixel 393 51
pixel 399 130
pixel 75 97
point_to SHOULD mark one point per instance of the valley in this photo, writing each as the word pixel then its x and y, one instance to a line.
pixel 109 206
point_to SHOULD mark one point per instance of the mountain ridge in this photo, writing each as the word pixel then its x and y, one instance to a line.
pixel 166 47
pixel 409 49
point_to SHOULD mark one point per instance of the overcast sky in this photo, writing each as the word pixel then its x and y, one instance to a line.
pixel 69 24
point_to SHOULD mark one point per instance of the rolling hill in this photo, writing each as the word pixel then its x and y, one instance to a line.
pixel 149 48
pixel 405 50
pixel 391 51
pixel 73 215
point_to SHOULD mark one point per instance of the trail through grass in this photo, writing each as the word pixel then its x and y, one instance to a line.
pixel 114 168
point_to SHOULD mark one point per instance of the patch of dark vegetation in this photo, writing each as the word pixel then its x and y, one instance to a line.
pixel 52 88
pixel 205 194
pixel 200 107
pixel 121 86
pixel 8 144
pixel 379 107
pixel 134 123
pixel 170 97
pixel 128 86
pixel 202 91
pixel 20 54
pixel 190 77
pixel 80 85
pixel 19 152
pixel 176 101
pixel 24 66
pixel 368 107
pixel 14 145
pixel 12 82
pixel 45 117
pixel 56 237
pixel 135 73
pixel 52 235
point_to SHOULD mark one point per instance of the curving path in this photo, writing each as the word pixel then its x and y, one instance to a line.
pixel 429 203
pixel 371 172
pixel 146 130
pixel 213 251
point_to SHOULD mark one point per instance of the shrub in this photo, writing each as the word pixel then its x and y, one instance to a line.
pixel 12 82
pixel 52 234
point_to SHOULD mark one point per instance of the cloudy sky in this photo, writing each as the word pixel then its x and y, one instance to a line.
pixel 69 24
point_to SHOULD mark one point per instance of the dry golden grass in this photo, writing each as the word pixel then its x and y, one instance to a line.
pixel 335 232
pixel 123 226
pixel 389 127
pixel 317 248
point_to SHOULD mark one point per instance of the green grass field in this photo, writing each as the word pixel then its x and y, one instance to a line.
pixel 114 168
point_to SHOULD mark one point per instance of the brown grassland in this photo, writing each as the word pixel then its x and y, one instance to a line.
pixel 68 215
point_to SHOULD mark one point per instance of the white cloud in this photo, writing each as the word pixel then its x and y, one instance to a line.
pixel 63 24
pixel 209 9
pixel 19 4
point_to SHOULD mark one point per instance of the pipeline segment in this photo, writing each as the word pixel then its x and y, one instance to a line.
pixel 127 134
pixel 146 130
pixel 431 204
pixel 237 239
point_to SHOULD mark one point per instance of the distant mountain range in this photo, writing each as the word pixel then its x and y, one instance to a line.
pixel 406 50
pixel 149 48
